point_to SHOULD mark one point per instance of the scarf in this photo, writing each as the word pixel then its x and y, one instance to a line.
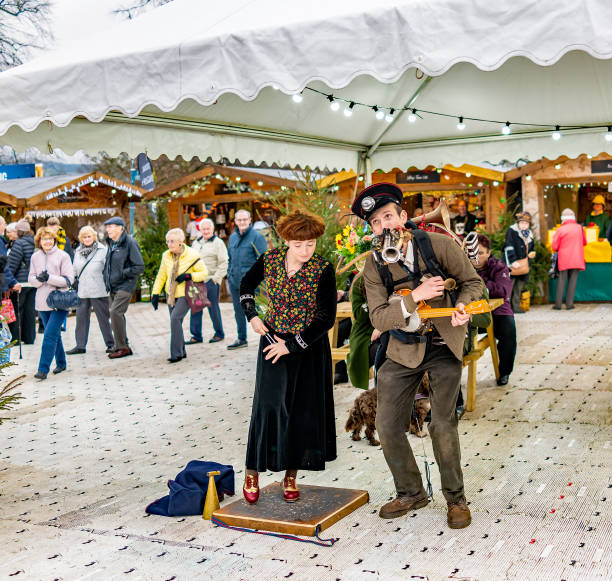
pixel 173 283
pixel 85 251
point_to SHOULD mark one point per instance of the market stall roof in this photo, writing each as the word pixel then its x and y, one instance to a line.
pixel 210 171
pixel 37 190
pixel 215 79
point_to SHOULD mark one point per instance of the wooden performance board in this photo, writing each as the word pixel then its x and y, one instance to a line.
pixel 318 506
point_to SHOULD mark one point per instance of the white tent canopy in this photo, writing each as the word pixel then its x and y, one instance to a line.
pixel 204 79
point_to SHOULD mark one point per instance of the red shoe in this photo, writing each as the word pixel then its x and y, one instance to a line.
pixel 250 489
pixel 290 489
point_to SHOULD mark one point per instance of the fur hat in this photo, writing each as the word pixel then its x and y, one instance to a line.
pixel 523 216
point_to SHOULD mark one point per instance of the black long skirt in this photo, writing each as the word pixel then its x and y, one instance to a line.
pixel 292 422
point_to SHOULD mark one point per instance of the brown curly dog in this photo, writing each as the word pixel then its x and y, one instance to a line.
pixel 363 413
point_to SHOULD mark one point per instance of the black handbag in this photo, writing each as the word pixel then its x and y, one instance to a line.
pixel 64 300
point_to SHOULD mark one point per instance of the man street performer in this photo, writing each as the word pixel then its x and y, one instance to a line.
pixel 428 261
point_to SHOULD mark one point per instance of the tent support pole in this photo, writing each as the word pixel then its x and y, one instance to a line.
pixel 396 118
pixel 359 164
pixel 368 170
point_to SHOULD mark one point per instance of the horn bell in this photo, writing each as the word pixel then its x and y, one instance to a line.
pixel 438 216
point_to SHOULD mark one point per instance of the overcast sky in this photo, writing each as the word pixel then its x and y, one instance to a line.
pixel 73 18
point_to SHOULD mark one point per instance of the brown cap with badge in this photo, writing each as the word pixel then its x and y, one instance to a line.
pixel 374 197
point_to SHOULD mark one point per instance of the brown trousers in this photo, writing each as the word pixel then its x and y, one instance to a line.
pixel 397 386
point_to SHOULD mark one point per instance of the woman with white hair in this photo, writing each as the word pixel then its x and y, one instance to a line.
pixel 89 260
pixel 179 264
pixel 214 254
pixel 568 242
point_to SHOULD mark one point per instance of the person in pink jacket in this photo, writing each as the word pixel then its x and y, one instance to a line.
pixel 568 243
pixel 49 269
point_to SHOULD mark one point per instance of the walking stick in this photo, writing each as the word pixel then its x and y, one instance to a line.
pixel 19 326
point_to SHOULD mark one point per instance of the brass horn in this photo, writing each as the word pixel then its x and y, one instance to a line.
pixel 438 216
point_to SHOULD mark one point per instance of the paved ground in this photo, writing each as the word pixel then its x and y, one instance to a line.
pixel 89 449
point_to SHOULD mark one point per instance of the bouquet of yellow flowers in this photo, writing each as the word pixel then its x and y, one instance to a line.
pixel 353 241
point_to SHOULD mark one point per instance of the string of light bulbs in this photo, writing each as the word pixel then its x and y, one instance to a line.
pixel 388 114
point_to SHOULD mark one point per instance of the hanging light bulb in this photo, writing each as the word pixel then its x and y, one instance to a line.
pixel 608 134
pixel 380 115
pixel 333 104
pixel 528 177
pixel 506 128
pixel 461 124
pixel 349 110
pixel 297 98
pixel 556 134
pixel 412 117
pixel 389 115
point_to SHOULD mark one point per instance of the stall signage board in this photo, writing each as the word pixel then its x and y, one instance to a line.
pixel 18 170
pixel 601 166
pixel 237 188
pixel 72 197
pixel 417 177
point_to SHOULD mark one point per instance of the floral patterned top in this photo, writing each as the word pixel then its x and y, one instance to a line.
pixel 299 304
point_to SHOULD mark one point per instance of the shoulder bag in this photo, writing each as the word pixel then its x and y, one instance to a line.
pixel 64 300
pixel 75 284
pixel 195 293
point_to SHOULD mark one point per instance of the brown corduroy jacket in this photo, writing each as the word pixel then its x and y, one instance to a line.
pixel 386 315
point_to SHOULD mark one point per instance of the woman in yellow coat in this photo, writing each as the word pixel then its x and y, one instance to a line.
pixel 179 264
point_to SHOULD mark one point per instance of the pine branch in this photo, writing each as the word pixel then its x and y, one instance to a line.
pixel 8 396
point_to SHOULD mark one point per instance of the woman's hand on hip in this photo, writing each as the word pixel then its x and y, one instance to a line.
pixel 276 350
pixel 258 326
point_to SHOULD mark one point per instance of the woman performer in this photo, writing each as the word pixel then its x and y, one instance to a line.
pixel 292 422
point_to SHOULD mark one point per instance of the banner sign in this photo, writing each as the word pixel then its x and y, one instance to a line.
pixel 601 166
pixel 417 177
pixel 18 170
pixel 147 181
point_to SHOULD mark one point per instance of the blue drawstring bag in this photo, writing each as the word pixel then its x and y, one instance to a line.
pixel 188 490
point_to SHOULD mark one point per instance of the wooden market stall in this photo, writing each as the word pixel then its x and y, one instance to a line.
pixel 550 186
pixel 482 189
pixel 218 191
pixel 76 200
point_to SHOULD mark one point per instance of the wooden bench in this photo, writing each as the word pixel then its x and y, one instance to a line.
pixel 344 311
pixel 481 344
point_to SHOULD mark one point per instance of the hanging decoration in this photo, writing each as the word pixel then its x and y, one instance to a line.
pixel 72 212
pixel 389 113
pixel 93 181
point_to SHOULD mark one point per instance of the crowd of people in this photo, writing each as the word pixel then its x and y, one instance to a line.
pixel 292 423
pixel 104 276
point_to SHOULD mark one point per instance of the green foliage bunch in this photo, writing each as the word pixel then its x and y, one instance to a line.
pixel 8 396
pixel 151 236
pixel 309 196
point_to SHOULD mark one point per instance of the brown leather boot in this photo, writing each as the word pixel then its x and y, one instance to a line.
pixel 458 516
pixel 403 504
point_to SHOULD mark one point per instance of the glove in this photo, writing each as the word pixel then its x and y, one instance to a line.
pixel 183 277
pixel 43 276
pixel 155 301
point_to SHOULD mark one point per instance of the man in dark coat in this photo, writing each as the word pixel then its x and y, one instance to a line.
pixel 415 348
pixel 245 246
pixel 123 266
pixel 23 303
pixel 464 222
